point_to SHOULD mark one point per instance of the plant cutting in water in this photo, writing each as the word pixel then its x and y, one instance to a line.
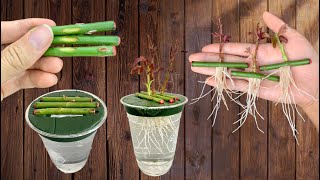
pixel 154 114
pixel 254 78
pixel 221 74
pixel 286 79
pixel 147 65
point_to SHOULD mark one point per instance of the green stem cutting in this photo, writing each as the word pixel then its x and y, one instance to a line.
pixel 168 95
pixel 66 105
pixel 286 63
pixel 168 99
pixel 254 75
pixel 150 98
pixel 81 28
pixel 65 111
pixel 87 39
pixel 219 64
pixel 283 52
pixel 66 99
pixel 93 51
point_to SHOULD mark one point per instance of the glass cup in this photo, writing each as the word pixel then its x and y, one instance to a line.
pixel 154 138
pixel 69 153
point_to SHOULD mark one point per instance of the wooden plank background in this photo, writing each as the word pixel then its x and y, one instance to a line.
pixel 202 152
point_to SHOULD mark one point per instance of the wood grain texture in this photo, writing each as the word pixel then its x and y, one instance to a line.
pixel 203 152
pixel 60 12
pixel 163 21
pixel 198 132
pixel 12 119
pixel 4 11
pixel 122 162
pixel 281 157
pixel 149 21
pixel 171 29
pixel 254 144
pixel 307 153
pixel 89 74
pixel 225 145
pixel 36 158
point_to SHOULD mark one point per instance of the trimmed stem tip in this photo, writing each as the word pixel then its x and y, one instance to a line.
pixel 220 64
pixel 286 63
pixel 168 95
pixel 254 75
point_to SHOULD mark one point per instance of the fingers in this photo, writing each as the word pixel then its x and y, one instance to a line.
pixel 236 85
pixel 28 79
pixel 274 23
pixel 23 53
pixel 213 57
pixel 265 55
pixel 14 30
pixel 48 64
pixel 230 48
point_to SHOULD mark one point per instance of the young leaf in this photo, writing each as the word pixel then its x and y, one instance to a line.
pixel 248 50
pixel 139 59
pixel 226 38
pixel 159 69
pixel 282 29
pixel 283 39
pixel 265 35
pixel 136 69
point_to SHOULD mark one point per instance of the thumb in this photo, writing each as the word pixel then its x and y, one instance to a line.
pixel 22 54
pixel 274 23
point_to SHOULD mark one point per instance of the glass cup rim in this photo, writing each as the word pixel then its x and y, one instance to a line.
pixel 155 108
pixel 68 135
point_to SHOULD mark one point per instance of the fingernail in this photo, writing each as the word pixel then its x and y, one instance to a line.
pixel 41 37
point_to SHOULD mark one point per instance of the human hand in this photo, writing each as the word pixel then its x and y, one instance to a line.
pixel 22 66
pixel 298 47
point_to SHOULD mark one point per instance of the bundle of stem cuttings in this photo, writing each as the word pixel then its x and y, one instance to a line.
pixel 221 74
pixel 65 106
pixel 80 34
pixel 149 65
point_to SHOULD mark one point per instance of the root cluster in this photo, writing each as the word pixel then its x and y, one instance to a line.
pixel 154 134
pixel 220 78
pixel 250 106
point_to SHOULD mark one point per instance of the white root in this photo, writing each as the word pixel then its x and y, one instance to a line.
pixel 287 99
pixel 153 130
pixel 250 107
pixel 220 77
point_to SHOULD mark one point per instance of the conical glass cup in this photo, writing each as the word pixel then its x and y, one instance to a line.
pixel 154 137
pixel 69 153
